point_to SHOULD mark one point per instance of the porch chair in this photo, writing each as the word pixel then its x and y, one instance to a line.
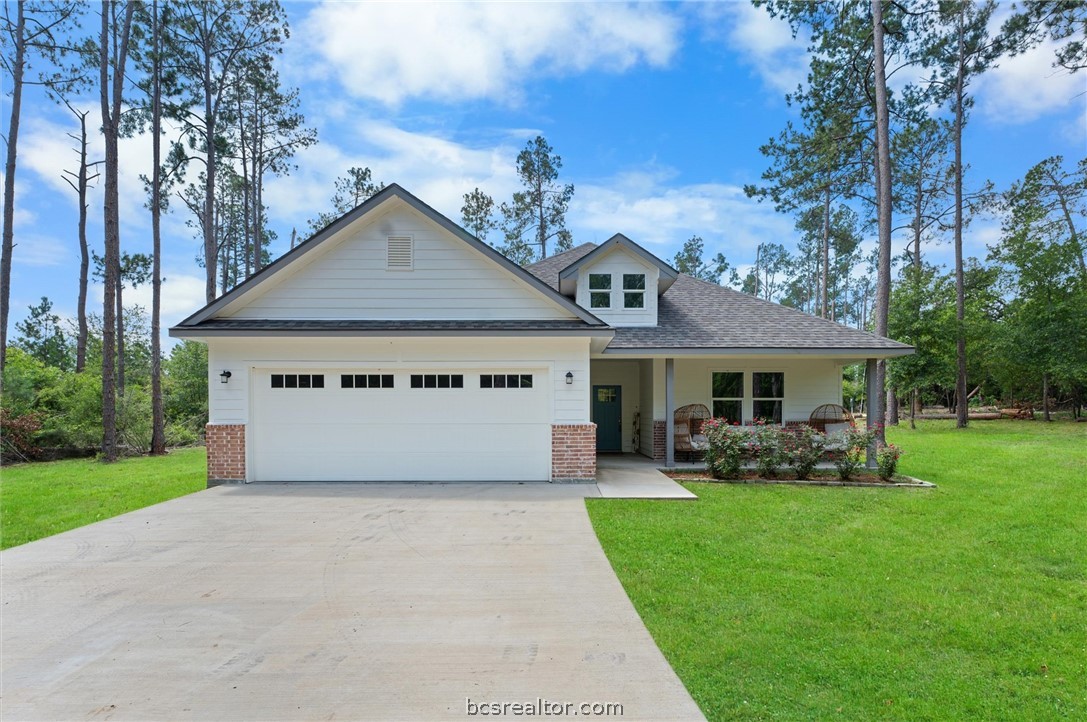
pixel 688 436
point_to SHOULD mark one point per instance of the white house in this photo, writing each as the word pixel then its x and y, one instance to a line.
pixel 395 346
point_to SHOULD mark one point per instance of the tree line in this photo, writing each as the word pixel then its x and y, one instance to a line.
pixel 198 77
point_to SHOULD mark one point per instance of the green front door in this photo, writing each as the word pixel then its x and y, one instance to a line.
pixel 607 405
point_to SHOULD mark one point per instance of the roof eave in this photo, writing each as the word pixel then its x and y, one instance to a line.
pixel 196 332
pixel 843 351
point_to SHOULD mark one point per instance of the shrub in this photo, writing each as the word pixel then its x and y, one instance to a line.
pixel 769 449
pixel 181 434
pixel 854 450
pixel 887 460
pixel 17 436
pixel 805 451
pixel 727 448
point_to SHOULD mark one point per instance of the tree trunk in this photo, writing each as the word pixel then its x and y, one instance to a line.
pixel 883 195
pixel 1073 236
pixel 158 415
pixel 84 250
pixel 913 408
pixel 111 77
pixel 892 407
pixel 961 411
pixel 826 253
pixel 120 327
pixel 1045 397
pixel 210 251
pixel 8 243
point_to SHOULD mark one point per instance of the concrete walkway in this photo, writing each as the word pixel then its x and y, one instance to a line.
pixel 632 476
pixel 328 601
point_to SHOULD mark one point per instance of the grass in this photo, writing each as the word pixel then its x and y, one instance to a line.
pixel 41 499
pixel 810 603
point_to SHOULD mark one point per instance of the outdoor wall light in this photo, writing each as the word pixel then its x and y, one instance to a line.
pixel 224 377
pixel 569 377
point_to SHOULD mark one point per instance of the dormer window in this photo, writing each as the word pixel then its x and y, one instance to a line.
pixel 600 290
pixel 633 290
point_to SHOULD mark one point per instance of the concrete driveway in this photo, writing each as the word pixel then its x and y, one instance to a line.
pixel 330 601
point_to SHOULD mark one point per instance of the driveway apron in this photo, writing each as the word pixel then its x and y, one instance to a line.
pixel 331 601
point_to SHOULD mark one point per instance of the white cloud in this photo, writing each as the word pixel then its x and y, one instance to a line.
pixel 32 249
pixel 1027 86
pixel 641 206
pixel 436 169
pixel 458 51
pixel 182 295
pixel 762 42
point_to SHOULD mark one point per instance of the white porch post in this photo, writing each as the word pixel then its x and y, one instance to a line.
pixel 669 412
pixel 872 403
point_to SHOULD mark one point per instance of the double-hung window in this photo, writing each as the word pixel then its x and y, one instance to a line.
pixel 633 290
pixel 600 290
pixel 768 395
pixel 728 395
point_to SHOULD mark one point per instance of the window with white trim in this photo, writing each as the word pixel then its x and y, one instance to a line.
pixel 633 290
pixel 767 395
pixel 600 290
pixel 728 395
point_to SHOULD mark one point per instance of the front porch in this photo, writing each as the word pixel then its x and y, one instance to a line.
pixel 633 400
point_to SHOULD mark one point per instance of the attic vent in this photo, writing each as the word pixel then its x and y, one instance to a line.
pixel 399 253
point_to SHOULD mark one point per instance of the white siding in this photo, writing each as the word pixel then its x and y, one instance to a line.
pixel 616 263
pixel 230 403
pixel 347 278
pixel 808 382
pixel 625 375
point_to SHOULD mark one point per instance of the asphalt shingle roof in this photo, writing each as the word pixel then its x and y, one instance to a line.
pixel 697 314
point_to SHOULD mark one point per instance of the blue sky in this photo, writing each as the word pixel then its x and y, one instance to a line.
pixel 658 112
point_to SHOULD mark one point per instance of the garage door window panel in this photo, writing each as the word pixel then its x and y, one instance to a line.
pixel 366 381
pixel 298 381
pixel 505 381
pixel 437 381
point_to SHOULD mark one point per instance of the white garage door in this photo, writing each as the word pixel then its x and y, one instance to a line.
pixel 417 425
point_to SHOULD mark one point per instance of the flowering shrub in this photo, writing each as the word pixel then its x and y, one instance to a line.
pixel 887 460
pixel 728 447
pixel 853 452
pixel 805 450
pixel 769 448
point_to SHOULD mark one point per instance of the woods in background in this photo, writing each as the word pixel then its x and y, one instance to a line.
pixel 859 161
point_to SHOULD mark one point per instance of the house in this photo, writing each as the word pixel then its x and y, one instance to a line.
pixel 393 345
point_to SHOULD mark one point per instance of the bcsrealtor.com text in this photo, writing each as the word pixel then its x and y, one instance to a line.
pixel 540 707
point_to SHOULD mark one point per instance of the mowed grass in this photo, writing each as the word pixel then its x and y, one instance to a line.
pixel 967 602
pixel 38 500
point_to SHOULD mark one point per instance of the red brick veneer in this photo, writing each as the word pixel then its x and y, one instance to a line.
pixel 573 452
pixel 660 429
pixel 226 453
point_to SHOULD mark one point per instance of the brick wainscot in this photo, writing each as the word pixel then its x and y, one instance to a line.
pixel 573 453
pixel 226 453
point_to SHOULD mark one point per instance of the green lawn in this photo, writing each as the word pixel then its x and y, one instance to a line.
pixel 37 500
pixel 810 603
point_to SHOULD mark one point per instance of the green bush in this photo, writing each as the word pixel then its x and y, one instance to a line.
pixel 854 451
pixel 727 449
pixel 887 457
pixel 768 447
pixel 805 450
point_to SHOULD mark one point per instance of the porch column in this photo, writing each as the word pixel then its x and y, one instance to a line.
pixel 872 403
pixel 669 412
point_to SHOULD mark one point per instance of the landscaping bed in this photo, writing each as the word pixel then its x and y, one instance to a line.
pixel 827 478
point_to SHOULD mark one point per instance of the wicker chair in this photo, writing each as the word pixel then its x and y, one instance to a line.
pixel 688 435
pixel 829 414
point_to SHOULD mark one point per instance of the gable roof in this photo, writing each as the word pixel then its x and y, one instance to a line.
pixel 698 316
pixel 393 190
pixel 568 275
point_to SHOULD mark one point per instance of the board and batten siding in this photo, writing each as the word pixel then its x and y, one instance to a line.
pixel 347 278
pixel 230 403
pixel 616 263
